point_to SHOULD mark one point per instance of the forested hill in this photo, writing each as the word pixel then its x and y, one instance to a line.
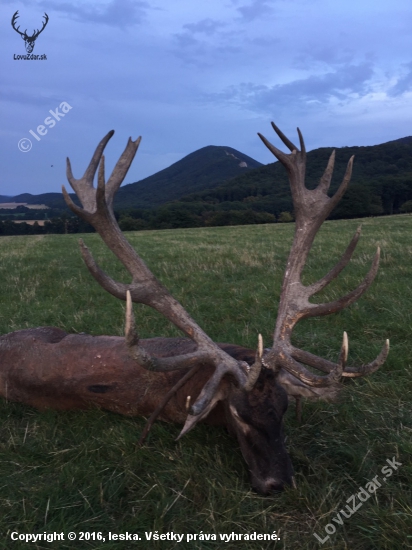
pixel 405 141
pixel 381 182
pixel 202 169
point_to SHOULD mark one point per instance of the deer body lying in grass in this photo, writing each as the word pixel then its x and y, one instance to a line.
pixel 83 371
pixel 190 379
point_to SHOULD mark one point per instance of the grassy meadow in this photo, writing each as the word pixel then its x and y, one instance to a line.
pixel 82 471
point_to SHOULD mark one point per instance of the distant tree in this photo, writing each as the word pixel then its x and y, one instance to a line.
pixel 127 223
pixel 55 225
pixel 358 202
pixel 259 217
pixel 395 191
pixel 239 217
pixel 36 228
pixel 219 218
pixel 406 207
pixel 174 215
pixel 285 217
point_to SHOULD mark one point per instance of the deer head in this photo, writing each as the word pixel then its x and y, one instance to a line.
pixel 29 41
pixel 253 393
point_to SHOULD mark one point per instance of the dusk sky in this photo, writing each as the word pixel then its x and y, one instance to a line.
pixel 185 74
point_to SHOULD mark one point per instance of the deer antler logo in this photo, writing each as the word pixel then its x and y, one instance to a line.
pixel 28 40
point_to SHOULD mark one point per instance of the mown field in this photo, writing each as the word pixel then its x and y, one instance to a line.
pixel 82 471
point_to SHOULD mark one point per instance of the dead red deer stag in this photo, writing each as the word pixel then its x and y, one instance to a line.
pixel 227 384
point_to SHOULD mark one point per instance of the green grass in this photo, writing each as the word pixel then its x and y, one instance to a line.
pixel 82 471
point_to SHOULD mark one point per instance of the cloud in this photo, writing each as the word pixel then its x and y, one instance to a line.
pixel 212 48
pixel 256 10
pixel 205 26
pixel 404 83
pixel 343 84
pixel 116 13
pixel 191 50
pixel 318 55
pixel 35 96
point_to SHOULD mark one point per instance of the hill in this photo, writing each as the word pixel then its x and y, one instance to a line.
pixel 381 182
pixel 202 169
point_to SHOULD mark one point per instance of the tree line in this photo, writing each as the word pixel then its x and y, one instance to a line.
pixel 132 220
pixel 181 215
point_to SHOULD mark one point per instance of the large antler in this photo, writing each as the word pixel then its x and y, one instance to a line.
pixel 144 288
pixel 312 207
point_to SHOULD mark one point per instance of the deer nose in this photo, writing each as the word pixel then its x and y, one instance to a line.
pixel 275 485
pixel 269 486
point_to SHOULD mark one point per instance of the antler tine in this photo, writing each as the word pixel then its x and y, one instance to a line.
pixel 255 369
pixel 311 209
pixel 155 363
pixel 342 263
pixel 280 155
pixel 301 142
pixel 137 291
pixel 73 207
pixel 210 389
pixel 281 358
pixel 349 372
pixel 333 201
pixel 347 299
pixel 130 333
pixel 110 285
pixel 121 169
pixel 352 372
pixel 324 365
pixel 90 172
pixel 325 180
pixel 344 351
pixel 165 401
pixel 83 187
pixel 291 146
pixel 101 186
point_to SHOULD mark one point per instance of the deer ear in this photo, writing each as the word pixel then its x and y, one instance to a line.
pixel 191 420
